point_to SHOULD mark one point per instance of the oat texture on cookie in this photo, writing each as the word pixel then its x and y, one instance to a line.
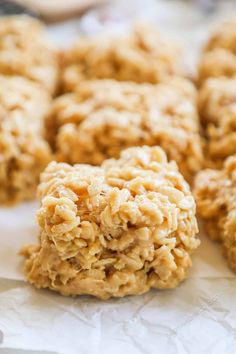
pixel 25 51
pixel 215 192
pixel 143 55
pixel 104 117
pixel 118 229
pixel 23 151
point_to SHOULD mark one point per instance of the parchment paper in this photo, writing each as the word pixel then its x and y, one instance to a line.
pixel 197 317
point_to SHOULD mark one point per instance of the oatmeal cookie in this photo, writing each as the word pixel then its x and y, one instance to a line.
pixel 215 192
pixel 23 151
pixel 26 52
pixel 104 117
pixel 224 37
pixel 114 230
pixel 141 56
pixel 217 63
pixel 217 98
pixel 217 108
pixel 219 57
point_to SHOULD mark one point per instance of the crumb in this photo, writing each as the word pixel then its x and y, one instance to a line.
pixel 26 52
pixel 23 151
pixel 141 56
pixel 114 230
pixel 104 117
pixel 215 192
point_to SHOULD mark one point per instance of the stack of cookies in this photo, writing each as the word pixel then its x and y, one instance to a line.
pixel 217 99
pixel 215 187
pixel 28 79
pixel 117 216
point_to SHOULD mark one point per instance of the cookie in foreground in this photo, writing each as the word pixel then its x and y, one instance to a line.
pixel 104 117
pixel 215 192
pixel 23 151
pixel 119 229
pixel 142 55
pixel 26 51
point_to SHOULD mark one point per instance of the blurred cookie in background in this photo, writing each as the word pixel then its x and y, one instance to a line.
pixel 26 51
pixel 141 55
pixel 23 151
pixel 103 117
pixel 217 98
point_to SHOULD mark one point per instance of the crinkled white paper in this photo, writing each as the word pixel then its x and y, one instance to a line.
pixel 197 317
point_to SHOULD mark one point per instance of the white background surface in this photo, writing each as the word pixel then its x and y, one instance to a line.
pixel 197 317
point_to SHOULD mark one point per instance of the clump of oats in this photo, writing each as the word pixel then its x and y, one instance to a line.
pixel 104 117
pixel 25 51
pixel 114 230
pixel 217 108
pixel 217 98
pixel 141 56
pixel 215 192
pixel 23 151
pixel 219 57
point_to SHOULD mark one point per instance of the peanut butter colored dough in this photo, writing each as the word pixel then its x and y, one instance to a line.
pixel 141 56
pixel 105 116
pixel 115 230
pixel 23 151
pixel 25 51
pixel 215 192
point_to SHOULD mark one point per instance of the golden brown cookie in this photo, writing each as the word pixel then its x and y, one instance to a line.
pixel 217 108
pixel 217 63
pixel 114 230
pixel 104 117
pixel 25 51
pixel 23 151
pixel 219 56
pixel 215 192
pixel 141 56
pixel 217 98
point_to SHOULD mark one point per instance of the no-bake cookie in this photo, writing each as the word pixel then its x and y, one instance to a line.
pixel 23 151
pixel 217 108
pixel 25 51
pixel 105 116
pixel 215 192
pixel 114 230
pixel 140 56
pixel 217 98
pixel 219 57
